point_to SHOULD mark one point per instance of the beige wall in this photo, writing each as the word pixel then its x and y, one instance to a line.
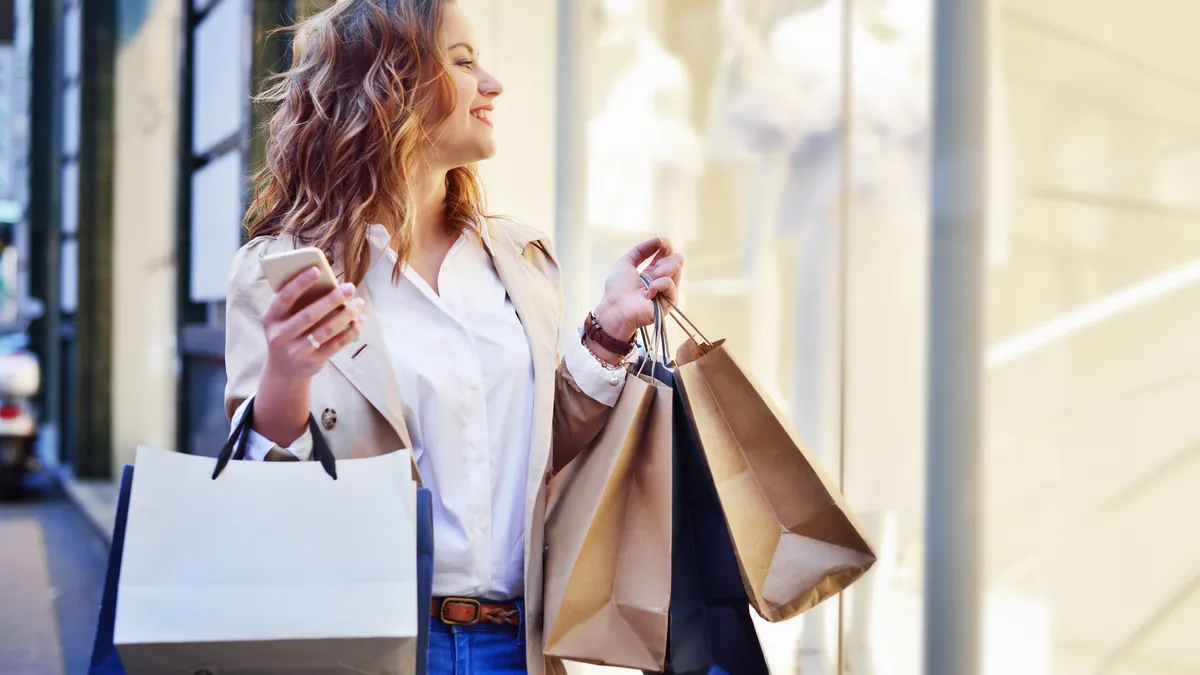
pixel 144 267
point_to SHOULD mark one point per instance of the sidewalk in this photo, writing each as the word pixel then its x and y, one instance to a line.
pixel 52 569
pixel 96 500
pixel 28 631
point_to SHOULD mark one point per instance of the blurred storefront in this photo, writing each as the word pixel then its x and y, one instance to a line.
pixel 784 145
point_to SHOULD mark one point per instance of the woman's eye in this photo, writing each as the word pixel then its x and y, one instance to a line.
pixel 466 63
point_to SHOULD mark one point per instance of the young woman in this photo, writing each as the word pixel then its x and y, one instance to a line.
pixel 444 335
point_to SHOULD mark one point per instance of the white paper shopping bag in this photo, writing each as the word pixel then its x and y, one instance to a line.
pixel 274 567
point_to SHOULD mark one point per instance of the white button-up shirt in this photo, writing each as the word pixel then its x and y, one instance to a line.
pixel 465 374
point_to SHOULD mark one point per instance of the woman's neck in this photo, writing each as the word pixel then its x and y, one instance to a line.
pixel 429 210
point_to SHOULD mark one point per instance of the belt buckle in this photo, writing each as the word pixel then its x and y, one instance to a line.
pixel 461 601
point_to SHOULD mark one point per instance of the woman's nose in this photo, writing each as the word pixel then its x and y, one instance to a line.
pixel 490 86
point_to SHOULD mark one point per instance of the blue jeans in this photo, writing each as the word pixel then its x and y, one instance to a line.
pixel 482 649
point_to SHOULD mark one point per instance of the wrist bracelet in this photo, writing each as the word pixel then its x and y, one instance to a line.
pixel 593 330
pixel 603 364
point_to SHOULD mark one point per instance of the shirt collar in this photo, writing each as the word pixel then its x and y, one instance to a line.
pixel 377 236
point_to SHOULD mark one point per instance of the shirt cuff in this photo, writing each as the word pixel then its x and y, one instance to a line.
pixel 600 383
pixel 259 446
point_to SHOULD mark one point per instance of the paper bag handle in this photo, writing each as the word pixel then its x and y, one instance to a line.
pixel 239 440
pixel 660 329
pixel 660 336
pixel 692 331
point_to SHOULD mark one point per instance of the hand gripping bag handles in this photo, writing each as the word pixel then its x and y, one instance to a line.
pixel 257 571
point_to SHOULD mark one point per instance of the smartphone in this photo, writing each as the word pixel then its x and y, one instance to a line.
pixel 281 268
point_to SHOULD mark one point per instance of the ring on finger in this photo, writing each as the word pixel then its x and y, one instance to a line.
pixel 316 344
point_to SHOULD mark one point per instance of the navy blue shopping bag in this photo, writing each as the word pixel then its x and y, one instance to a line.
pixel 424 574
pixel 106 661
pixel 710 630
pixel 104 656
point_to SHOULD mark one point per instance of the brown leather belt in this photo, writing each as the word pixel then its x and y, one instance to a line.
pixel 468 612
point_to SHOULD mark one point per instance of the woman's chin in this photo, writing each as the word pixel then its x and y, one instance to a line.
pixel 486 151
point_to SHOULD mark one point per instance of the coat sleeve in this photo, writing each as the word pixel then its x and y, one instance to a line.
pixel 578 417
pixel 245 343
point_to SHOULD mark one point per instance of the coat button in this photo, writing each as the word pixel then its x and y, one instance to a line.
pixel 329 419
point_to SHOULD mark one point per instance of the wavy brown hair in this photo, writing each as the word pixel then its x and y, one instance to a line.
pixel 366 88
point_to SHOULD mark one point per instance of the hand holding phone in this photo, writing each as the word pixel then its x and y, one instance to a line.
pixel 282 268
pixel 311 317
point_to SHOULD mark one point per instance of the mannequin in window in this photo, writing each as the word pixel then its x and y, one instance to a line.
pixel 643 152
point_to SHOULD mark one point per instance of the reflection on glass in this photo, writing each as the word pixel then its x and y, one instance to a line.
pixel 886 282
pixel 643 153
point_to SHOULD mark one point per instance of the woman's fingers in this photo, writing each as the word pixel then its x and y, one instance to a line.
pixel 301 339
pixel 335 344
pixel 303 322
pixel 285 299
pixel 670 267
pixel 643 251
pixel 337 323
pixel 664 286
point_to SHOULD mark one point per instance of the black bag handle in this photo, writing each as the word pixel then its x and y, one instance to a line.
pixel 239 440
pixel 660 330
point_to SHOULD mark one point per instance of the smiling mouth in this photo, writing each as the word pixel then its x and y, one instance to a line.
pixel 481 114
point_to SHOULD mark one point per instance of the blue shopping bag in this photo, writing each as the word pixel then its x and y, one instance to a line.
pixel 105 659
pixel 424 573
pixel 710 629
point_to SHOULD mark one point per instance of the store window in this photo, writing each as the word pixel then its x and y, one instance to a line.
pixel 784 146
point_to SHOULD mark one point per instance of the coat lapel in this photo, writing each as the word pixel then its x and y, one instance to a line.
pixel 536 301
pixel 366 364
pixel 532 296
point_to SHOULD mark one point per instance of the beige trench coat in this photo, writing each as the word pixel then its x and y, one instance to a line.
pixel 359 386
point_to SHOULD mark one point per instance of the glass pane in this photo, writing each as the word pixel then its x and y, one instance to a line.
pixel 70 120
pixel 69 276
pixel 887 241
pixel 70 198
pixel 1092 461
pixel 718 124
pixel 216 232
pixel 221 75
pixel 72 41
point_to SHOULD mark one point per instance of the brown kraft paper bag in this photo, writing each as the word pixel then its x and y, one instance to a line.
pixel 796 540
pixel 608 530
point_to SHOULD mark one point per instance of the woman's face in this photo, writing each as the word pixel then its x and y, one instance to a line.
pixel 466 136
